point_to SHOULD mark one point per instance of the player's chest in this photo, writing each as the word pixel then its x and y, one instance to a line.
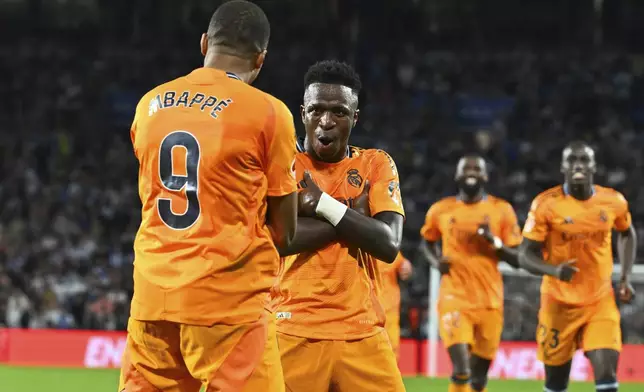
pixel 465 220
pixel 582 220
pixel 343 181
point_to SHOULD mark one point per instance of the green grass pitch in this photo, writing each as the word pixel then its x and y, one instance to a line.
pixel 20 379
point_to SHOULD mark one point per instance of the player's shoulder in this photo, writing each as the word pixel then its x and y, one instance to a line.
pixel 374 156
pixel 443 204
pixel 610 194
pixel 498 202
pixel 549 196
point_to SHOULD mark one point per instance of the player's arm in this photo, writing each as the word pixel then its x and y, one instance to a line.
pixel 282 187
pixel 311 234
pixel 431 235
pixel 379 236
pixel 626 247
pixel 530 257
pixel 506 245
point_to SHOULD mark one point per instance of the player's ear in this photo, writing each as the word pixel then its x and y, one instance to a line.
pixel 356 114
pixel 259 60
pixel 204 43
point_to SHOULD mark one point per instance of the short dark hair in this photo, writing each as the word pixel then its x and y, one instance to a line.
pixel 578 144
pixel 333 72
pixel 240 26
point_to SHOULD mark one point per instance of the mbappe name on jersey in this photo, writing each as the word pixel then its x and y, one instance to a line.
pixel 188 99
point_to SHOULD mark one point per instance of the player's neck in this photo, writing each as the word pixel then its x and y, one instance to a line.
pixel 228 63
pixel 580 191
pixel 471 199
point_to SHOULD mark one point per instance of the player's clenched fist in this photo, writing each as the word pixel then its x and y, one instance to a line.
pixel 566 270
pixel 309 196
pixel 625 291
pixel 361 203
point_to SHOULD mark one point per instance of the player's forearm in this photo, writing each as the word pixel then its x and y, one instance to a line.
pixel 627 250
pixel 370 235
pixel 430 252
pixel 530 259
pixel 509 255
pixel 311 234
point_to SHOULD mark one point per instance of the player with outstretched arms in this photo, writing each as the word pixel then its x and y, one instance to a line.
pixel 401 269
pixel 476 231
pixel 330 320
pixel 216 159
pixel 568 240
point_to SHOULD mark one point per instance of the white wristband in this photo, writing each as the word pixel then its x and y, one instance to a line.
pixel 330 209
pixel 498 244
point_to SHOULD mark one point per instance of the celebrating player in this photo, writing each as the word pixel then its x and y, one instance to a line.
pixel 567 238
pixel 477 230
pixel 390 296
pixel 330 325
pixel 215 159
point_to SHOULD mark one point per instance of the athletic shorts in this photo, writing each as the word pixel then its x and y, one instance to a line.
pixel 312 365
pixel 162 355
pixel 478 328
pixel 564 328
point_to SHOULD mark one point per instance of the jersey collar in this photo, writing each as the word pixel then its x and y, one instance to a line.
pixel 566 191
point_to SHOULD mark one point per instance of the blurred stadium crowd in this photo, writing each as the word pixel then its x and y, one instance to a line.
pixel 69 207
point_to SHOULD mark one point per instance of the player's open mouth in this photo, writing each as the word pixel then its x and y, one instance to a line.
pixel 471 180
pixel 578 176
pixel 325 140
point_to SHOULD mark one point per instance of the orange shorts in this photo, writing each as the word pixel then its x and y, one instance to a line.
pixel 314 365
pixel 479 328
pixel 162 355
pixel 268 375
pixel 564 328
pixel 393 330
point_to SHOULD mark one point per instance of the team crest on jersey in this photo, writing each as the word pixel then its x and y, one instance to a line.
pixel 529 223
pixel 394 191
pixel 603 216
pixel 354 178
pixel 568 220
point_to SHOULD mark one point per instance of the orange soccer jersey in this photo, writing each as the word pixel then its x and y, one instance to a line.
pixel 474 280
pixel 581 230
pixel 211 149
pixel 332 293
pixel 390 296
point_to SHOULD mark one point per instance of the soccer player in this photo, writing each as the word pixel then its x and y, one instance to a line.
pixel 390 296
pixel 567 238
pixel 330 324
pixel 476 230
pixel 215 160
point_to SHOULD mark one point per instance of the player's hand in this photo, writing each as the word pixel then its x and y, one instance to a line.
pixel 361 203
pixel 625 291
pixel 485 232
pixel 566 270
pixel 443 266
pixel 308 197
pixel 406 270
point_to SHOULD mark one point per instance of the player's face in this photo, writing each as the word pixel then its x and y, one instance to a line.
pixel 578 165
pixel 329 113
pixel 471 175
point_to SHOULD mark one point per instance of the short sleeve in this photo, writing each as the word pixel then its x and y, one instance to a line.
pixel 280 168
pixel 510 230
pixel 135 124
pixel 622 214
pixel 431 230
pixel 536 226
pixel 385 186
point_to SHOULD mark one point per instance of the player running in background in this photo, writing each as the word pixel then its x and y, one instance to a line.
pixel 330 324
pixel 215 160
pixel 567 238
pixel 476 230
pixel 390 296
